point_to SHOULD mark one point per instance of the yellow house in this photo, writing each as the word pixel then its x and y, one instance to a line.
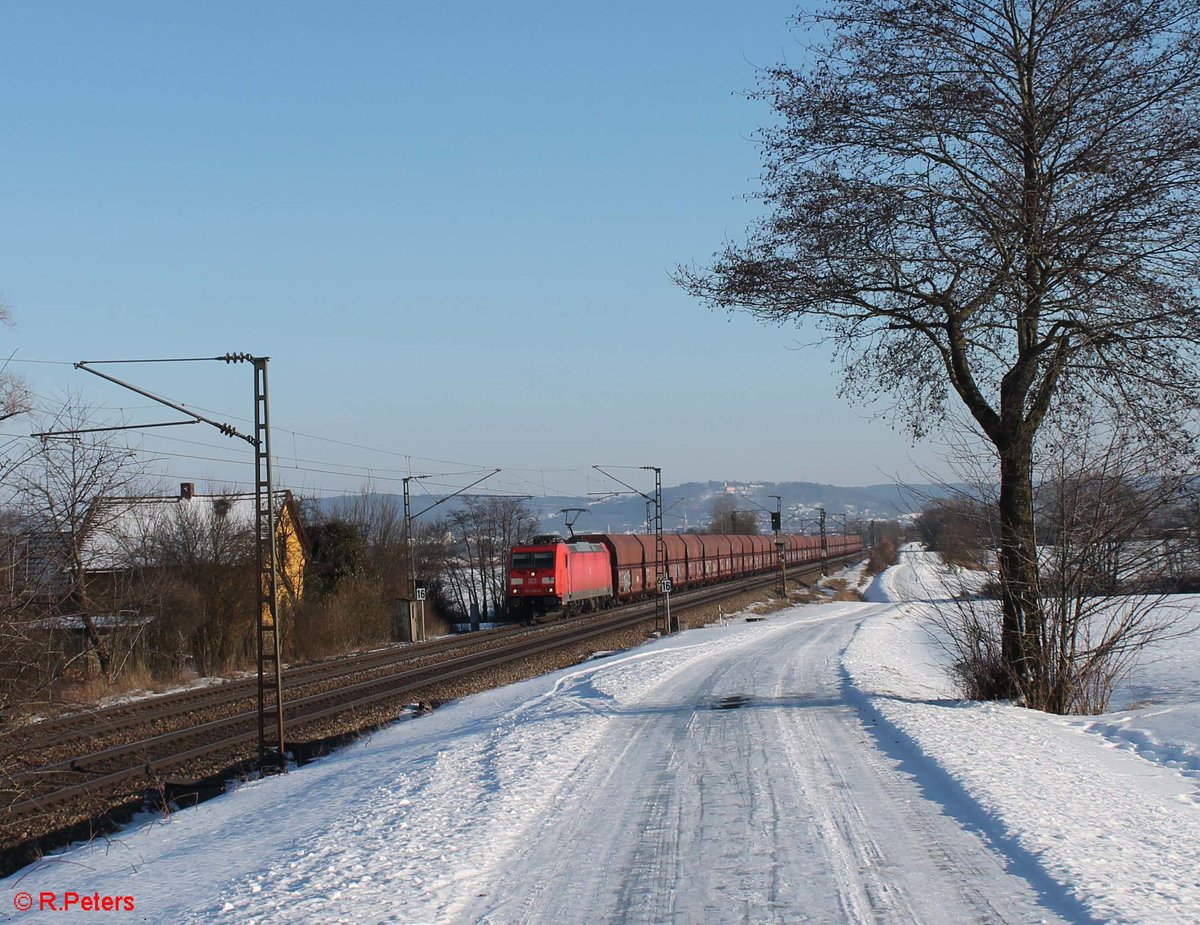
pixel 291 550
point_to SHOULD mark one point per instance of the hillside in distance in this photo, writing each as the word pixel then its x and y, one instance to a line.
pixel 689 506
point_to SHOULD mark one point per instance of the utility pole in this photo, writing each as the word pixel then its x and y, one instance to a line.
pixel 824 545
pixel 662 598
pixel 270 668
pixel 419 629
pixel 416 594
pixel 269 694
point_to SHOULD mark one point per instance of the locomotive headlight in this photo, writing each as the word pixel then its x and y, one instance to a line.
pixel 547 581
pixel 516 581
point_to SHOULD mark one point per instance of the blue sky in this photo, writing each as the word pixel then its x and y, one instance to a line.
pixel 451 226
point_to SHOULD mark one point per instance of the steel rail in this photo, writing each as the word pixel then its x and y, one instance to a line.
pixel 322 705
pixel 107 720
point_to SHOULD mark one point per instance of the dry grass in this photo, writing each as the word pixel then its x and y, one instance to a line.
pixel 95 687
pixel 770 605
pixel 841 590
pixel 353 617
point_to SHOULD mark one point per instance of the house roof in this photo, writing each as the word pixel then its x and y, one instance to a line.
pixel 120 530
pixel 102 621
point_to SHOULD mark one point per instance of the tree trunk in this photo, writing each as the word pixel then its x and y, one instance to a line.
pixel 83 601
pixel 1022 624
pixel 94 640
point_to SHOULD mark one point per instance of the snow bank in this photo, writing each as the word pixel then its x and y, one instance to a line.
pixel 1108 806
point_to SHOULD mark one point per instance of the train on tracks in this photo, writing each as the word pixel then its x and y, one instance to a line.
pixel 556 576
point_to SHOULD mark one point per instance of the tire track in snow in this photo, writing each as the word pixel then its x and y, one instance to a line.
pixel 784 810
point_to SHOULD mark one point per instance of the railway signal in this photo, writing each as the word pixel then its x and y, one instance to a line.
pixel 824 546
pixel 776 527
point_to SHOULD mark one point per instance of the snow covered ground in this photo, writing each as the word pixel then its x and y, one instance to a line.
pixel 1108 806
pixel 812 767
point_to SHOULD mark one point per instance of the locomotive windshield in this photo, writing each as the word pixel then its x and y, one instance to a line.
pixel 533 560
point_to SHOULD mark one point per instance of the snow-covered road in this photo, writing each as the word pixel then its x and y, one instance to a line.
pixel 745 788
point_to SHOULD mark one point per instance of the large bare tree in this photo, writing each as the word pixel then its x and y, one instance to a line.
pixel 995 200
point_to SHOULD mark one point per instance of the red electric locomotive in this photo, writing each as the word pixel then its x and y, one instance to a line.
pixel 550 575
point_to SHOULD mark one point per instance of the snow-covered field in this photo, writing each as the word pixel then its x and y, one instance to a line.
pixel 811 767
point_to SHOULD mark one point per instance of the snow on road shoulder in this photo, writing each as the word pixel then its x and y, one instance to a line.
pixel 1116 825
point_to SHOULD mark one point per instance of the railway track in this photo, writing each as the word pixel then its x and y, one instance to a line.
pixel 162 734
pixel 55 733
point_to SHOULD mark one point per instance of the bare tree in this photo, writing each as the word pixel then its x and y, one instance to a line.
pixel 1104 571
pixel 202 564
pixel 483 531
pixel 360 571
pixel 959 528
pixel 997 200
pixel 1100 500
pixel 885 541
pixel 14 399
pixel 725 518
pixel 58 489
pixel 29 664
pixel 380 522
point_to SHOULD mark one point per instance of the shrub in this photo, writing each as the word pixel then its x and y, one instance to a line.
pixel 883 554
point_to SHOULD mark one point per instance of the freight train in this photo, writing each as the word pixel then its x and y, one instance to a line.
pixel 551 575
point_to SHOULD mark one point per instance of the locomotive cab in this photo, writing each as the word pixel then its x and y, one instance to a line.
pixel 531 580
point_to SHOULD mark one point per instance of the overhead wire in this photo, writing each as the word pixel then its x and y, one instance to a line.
pixel 328 467
pixel 349 444
pixel 511 474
